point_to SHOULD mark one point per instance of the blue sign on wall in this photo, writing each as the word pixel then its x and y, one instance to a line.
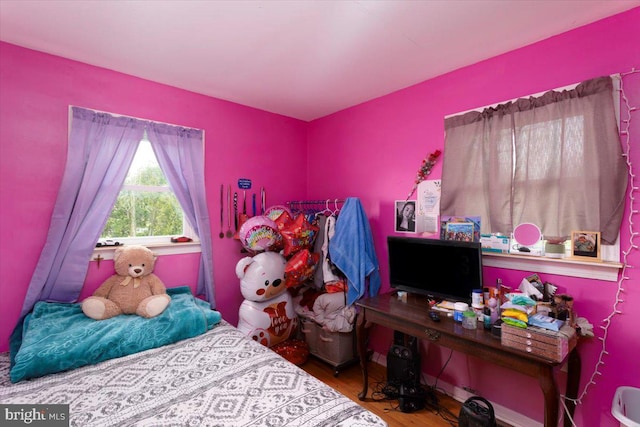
pixel 244 183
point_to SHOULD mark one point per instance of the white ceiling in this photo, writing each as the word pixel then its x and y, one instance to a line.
pixel 303 59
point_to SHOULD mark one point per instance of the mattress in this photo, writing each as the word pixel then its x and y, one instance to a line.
pixel 220 378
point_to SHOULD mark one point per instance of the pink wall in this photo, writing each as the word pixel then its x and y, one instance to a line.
pixel 35 92
pixel 372 150
pixel 376 148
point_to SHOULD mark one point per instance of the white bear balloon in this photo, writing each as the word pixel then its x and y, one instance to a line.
pixel 266 314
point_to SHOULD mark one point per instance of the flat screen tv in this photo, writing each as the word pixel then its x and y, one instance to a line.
pixel 440 269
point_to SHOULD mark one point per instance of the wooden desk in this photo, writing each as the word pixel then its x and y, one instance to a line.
pixel 412 317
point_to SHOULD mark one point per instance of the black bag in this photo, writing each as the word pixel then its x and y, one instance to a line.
pixel 473 414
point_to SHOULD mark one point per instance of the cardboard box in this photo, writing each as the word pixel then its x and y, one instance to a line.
pixel 541 342
pixel 494 243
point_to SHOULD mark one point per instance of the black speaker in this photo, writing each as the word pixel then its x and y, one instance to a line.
pixel 411 398
pixel 403 362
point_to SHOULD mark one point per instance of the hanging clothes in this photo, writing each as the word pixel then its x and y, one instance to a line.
pixel 318 278
pixel 351 249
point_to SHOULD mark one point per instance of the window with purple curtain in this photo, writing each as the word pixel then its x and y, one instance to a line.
pixel 553 160
pixel 100 151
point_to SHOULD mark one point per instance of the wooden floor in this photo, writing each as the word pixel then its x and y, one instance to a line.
pixel 349 383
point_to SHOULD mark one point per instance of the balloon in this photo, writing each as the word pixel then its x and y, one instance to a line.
pixel 275 211
pixel 300 268
pixel 295 351
pixel 297 235
pixel 267 314
pixel 268 322
pixel 259 234
pixel 283 220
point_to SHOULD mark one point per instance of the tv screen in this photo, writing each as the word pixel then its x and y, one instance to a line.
pixel 440 269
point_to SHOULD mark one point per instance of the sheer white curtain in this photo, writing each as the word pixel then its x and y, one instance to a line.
pixel 553 160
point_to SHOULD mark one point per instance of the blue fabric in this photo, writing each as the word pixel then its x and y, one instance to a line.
pixel 351 249
pixel 58 337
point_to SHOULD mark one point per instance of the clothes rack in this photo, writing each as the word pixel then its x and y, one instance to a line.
pixel 316 206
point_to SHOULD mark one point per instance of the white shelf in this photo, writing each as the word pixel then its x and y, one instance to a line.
pixel 599 270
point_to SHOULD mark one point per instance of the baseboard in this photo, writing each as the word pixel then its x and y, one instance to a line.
pixel 503 414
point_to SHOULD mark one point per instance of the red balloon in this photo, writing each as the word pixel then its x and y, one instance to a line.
pixel 295 351
pixel 297 235
pixel 300 268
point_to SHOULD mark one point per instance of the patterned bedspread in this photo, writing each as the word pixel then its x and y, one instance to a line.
pixel 220 378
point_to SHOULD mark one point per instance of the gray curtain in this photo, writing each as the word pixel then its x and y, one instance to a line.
pixel 553 160
pixel 180 153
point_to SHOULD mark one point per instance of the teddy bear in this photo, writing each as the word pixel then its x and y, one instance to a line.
pixel 134 289
pixel 266 314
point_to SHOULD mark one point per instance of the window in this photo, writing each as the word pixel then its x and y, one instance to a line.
pixel 554 160
pixel 146 210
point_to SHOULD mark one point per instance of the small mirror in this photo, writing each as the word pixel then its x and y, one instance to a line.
pixel 527 239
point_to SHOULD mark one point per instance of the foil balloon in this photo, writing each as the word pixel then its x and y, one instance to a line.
pixel 275 211
pixel 267 314
pixel 300 268
pixel 297 235
pixel 283 221
pixel 258 234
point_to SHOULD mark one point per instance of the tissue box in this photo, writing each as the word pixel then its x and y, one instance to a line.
pixel 548 344
pixel 494 243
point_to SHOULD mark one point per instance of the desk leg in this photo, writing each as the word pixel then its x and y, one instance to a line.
pixel 361 335
pixel 551 396
pixel 574 366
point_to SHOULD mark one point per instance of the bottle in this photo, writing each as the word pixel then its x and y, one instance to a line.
pixel 477 300
pixel 459 309
pixel 469 319
pixel 487 318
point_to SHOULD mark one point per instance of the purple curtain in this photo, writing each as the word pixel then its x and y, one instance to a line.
pixel 101 149
pixel 180 153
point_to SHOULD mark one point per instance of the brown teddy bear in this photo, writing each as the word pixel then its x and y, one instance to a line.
pixel 133 290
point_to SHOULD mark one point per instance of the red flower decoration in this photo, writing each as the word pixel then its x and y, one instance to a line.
pixel 425 169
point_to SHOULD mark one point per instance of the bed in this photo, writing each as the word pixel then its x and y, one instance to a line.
pixel 216 378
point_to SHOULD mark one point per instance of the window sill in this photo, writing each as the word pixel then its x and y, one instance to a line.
pixel 157 248
pixel 605 270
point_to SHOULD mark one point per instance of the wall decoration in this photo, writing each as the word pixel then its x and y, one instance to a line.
pixel 585 245
pixel 424 171
pixel 405 216
pixel 428 206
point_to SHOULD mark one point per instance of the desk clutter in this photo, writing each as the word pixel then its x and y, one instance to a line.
pixel 533 318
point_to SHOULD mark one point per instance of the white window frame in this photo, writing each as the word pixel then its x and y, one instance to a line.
pixel 160 245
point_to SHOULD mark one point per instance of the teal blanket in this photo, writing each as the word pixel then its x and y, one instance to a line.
pixel 59 337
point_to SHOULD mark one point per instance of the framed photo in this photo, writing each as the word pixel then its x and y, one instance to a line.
pixel 405 216
pixel 462 231
pixel 586 245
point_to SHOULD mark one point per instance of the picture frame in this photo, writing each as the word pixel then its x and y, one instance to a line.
pixel 461 231
pixel 445 220
pixel 405 216
pixel 585 245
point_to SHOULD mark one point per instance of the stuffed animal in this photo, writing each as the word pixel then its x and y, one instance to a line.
pixel 133 290
pixel 266 314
